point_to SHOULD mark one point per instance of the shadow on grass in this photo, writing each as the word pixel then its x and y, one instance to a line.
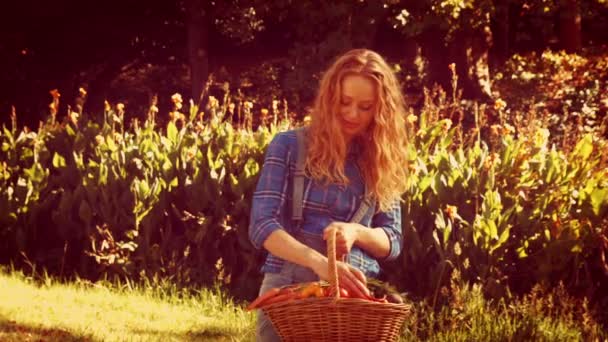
pixel 211 334
pixel 13 331
pixel 10 330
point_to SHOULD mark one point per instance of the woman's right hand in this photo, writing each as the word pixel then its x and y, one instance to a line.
pixel 349 277
pixel 283 245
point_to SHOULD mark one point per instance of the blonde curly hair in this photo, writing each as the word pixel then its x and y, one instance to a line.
pixel 383 158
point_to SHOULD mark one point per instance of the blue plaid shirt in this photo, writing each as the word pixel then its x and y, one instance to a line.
pixel 271 208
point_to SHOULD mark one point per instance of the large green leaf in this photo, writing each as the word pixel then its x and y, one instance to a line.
pixel 599 201
pixel 58 161
pixel 172 132
pixel 584 147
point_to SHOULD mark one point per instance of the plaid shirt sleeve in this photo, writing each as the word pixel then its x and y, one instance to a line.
pixel 270 195
pixel 390 222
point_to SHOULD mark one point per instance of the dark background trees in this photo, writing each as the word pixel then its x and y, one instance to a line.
pixel 128 51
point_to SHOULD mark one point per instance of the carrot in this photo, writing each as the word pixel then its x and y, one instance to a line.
pixel 309 290
pixel 280 298
pixel 262 298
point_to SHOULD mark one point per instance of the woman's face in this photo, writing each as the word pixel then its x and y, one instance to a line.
pixel 357 105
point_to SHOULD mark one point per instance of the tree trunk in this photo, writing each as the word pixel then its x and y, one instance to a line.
pixel 433 48
pixel 500 32
pixel 570 26
pixel 198 55
pixel 469 50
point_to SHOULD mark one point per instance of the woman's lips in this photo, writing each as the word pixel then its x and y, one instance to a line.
pixel 350 125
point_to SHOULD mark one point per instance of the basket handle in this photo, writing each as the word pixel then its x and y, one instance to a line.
pixel 332 264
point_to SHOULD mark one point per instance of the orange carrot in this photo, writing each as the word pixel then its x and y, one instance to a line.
pixel 309 290
pixel 262 298
pixel 280 298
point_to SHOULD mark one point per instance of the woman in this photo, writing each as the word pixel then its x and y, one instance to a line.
pixel 356 141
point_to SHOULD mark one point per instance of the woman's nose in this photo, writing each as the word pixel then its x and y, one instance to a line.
pixel 351 112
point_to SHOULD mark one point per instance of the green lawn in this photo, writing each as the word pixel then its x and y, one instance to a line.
pixel 81 312
pixel 47 310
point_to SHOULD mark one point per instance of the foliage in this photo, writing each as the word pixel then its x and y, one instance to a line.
pixel 449 16
pixel 140 202
pixel 508 211
pixel 499 202
pixel 22 178
pixel 569 91
pixel 534 25
pixel 146 44
pixel 542 315
pixel 331 28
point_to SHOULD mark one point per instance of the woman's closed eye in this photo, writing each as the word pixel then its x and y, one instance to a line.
pixel 363 107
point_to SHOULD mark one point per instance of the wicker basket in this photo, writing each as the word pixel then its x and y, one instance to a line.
pixel 335 318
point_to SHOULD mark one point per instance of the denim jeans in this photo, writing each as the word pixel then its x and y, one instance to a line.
pixel 290 274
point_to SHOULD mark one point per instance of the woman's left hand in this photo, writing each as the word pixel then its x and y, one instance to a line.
pixel 346 235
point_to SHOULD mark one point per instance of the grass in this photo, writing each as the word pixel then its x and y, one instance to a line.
pixel 48 310
pixel 541 315
pixel 91 312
